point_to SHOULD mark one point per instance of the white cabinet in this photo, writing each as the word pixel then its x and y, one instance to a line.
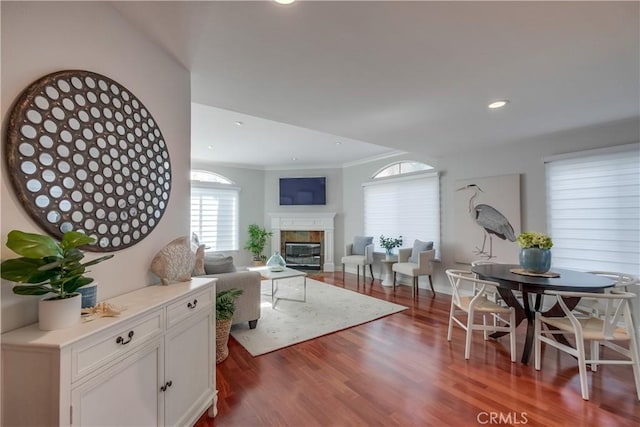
pixel 153 365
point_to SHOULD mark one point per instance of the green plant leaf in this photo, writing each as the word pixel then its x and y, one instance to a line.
pixel 31 290
pixel 31 245
pixel 97 260
pixel 72 285
pixel 24 270
pixel 74 239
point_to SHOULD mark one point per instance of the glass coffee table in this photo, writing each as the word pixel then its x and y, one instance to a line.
pixel 275 276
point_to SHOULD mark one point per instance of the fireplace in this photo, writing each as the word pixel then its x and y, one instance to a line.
pixel 302 255
pixel 308 228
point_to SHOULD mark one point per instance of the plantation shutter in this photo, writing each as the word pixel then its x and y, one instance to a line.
pixel 214 215
pixel 408 206
pixel 594 209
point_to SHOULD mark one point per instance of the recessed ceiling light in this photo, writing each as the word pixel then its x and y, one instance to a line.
pixel 210 147
pixel 284 1
pixel 239 123
pixel 498 104
pixel 294 158
pixel 338 143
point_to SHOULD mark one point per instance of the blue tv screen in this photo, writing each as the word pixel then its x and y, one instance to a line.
pixel 303 191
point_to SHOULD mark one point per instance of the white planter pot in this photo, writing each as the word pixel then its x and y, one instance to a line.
pixel 59 313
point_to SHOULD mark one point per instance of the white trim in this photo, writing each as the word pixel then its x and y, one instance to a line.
pixel 594 152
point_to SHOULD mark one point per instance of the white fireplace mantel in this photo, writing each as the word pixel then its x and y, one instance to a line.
pixel 297 221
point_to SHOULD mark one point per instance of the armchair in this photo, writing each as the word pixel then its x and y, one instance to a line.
pixel 364 259
pixel 423 267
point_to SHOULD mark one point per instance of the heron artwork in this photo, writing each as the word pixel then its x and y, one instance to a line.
pixel 493 223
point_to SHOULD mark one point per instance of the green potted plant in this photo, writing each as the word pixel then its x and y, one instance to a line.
pixel 225 307
pixel 535 254
pixel 257 241
pixel 389 243
pixel 50 267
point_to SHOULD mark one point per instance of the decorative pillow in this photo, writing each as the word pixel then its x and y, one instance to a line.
pixel 419 246
pixel 219 264
pixel 174 263
pixel 359 243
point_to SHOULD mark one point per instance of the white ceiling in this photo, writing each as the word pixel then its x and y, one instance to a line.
pixel 405 76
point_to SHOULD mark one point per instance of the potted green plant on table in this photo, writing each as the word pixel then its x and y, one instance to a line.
pixel 389 243
pixel 225 307
pixel 50 267
pixel 535 254
pixel 257 241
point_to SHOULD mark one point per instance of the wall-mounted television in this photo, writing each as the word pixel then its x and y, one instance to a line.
pixel 303 191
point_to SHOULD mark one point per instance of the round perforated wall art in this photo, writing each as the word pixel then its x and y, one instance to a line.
pixel 85 154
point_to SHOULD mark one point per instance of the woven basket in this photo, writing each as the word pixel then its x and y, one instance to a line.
pixel 223 327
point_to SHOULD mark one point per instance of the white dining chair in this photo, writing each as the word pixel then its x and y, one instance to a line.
pixel 474 301
pixel 589 306
pixel 614 324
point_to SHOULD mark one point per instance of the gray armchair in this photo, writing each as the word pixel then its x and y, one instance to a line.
pixel 359 259
pixel 423 267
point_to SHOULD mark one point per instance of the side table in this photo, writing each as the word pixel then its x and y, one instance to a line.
pixel 386 275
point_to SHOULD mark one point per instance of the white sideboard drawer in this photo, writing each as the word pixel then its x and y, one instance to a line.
pixel 189 305
pixel 90 354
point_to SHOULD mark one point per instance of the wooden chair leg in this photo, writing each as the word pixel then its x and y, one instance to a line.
pixel 431 284
pixel 371 270
pixel 415 287
pixel 343 272
pixel 358 273
pixel 394 282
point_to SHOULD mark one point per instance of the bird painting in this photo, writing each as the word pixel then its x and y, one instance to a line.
pixel 492 221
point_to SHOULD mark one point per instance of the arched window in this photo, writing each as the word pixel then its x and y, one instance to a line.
pixel 214 211
pixel 401 168
pixel 403 199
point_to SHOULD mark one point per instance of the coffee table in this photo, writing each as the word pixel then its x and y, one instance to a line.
pixel 275 276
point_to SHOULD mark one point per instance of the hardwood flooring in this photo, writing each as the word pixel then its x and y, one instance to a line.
pixel 402 371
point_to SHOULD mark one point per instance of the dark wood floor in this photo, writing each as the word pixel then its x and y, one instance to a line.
pixel 401 370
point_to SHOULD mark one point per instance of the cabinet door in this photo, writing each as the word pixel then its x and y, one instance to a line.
pixel 125 395
pixel 190 369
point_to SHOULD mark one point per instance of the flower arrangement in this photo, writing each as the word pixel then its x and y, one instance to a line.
pixel 532 239
pixel 390 242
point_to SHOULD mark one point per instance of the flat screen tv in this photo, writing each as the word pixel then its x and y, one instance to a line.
pixel 303 191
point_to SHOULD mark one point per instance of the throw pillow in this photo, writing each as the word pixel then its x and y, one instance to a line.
pixel 419 246
pixel 359 243
pixel 219 264
pixel 174 263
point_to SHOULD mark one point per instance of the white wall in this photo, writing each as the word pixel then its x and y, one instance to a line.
pixel 40 38
pixel 334 197
pixel 251 204
pixel 525 158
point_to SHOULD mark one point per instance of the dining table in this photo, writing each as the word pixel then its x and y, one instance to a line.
pixel 511 279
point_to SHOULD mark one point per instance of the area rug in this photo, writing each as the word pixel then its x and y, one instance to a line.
pixel 327 309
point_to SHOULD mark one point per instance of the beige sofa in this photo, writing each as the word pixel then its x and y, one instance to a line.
pixel 248 304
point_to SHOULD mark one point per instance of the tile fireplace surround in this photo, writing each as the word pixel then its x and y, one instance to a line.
pixel 306 222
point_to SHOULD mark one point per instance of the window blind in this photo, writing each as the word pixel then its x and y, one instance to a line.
pixel 593 207
pixel 214 216
pixel 406 206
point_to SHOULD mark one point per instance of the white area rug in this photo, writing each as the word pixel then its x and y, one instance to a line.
pixel 328 309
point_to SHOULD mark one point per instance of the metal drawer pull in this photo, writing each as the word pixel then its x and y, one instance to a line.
pixel 192 305
pixel 166 386
pixel 121 340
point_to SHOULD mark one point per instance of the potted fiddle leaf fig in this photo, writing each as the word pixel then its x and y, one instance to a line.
pixel 47 266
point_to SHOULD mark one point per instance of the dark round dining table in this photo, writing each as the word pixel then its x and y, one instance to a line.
pixel 509 282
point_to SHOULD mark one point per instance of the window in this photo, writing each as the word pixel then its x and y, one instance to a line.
pixel 406 205
pixel 594 209
pixel 214 211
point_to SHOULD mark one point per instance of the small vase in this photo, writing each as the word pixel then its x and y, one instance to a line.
pixel 535 260
pixel 89 295
pixel 223 328
pixel 276 262
pixel 388 254
pixel 59 313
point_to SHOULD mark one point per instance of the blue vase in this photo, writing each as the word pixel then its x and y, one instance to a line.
pixel 535 260
pixel 276 262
